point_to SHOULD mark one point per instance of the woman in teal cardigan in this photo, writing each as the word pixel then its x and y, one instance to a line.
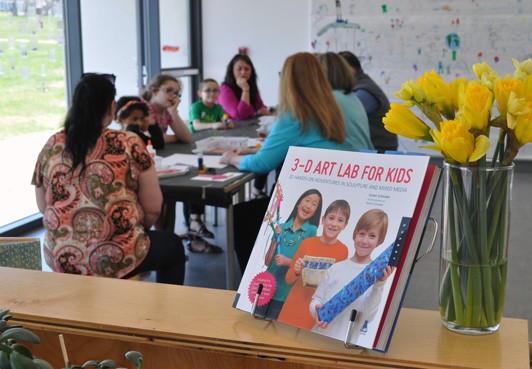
pixel 309 116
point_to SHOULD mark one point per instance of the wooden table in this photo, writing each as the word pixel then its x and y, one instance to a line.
pixel 220 194
pixel 189 327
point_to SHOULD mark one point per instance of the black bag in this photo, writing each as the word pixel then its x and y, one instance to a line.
pixel 248 217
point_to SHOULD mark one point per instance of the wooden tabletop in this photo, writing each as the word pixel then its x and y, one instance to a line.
pixel 180 316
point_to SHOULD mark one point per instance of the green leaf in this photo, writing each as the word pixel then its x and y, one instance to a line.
pixel 93 363
pixel 23 350
pixel 19 334
pixel 135 357
pixel 41 364
pixel 3 312
pixel 19 361
pixel 107 364
pixel 4 360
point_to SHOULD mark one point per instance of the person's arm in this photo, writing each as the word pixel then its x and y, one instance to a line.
pixel 177 125
pixel 150 196
pixel 157 138
pixel 40 194
pixel 263 109
pixel 200 126
pixel 236 109
pixel 285 133
pixel 370 102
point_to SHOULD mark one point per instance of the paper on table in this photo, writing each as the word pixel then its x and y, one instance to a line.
pixel 216 177
pixel 192 160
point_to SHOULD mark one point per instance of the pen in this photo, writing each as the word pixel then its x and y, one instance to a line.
pixel 257 296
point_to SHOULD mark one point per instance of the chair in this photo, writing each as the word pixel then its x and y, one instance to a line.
pixel 20 252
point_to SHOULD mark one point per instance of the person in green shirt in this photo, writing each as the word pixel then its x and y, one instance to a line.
pixel 206 113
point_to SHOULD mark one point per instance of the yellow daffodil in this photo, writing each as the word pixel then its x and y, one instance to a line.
pixel 400 120
pixel 438 93
pixel 516 106
pixel 523 69
pixel 457 87
pixel 475 104
pixel 503 88
pixel 411 93
pixel 458 144
pixel 523 126
pixel 485 74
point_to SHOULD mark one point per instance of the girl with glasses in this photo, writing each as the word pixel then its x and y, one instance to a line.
pixel 163 96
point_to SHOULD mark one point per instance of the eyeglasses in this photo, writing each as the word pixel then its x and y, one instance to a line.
pixel 110 77
pixel 213 91
pixel 171 91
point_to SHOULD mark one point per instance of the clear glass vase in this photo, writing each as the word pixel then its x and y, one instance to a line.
pixel 474 248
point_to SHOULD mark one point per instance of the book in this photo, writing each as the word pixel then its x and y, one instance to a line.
pixel 172 171
pixel 338 243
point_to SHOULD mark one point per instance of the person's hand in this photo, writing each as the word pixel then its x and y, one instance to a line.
pixel 176 100
pixel 281 260
pixel 387 272
pixel 242 83
pixel 230 124
pixel 218 125
pixel 245 150
pixel 319 323
pixel 278 229
pixel 264 111
pixel 227 156
pixel 298 266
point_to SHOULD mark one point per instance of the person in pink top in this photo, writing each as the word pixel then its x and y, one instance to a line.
pixel 240 99
pixel 239 94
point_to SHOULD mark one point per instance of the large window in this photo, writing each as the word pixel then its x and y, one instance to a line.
pixel 45 46
pixel 32 81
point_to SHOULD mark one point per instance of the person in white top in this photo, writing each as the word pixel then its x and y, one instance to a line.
pixel 369 233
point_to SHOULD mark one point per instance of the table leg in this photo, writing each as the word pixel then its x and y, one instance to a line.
pixel 230 252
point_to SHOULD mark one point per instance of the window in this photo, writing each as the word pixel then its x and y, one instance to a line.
pixel 45 46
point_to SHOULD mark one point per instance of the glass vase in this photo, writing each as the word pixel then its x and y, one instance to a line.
pixel 474 248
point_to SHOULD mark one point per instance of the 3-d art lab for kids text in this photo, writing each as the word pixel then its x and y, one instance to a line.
pixel 373 177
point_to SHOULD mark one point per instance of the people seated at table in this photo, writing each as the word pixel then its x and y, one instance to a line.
pixel 163 96
pixel 206 113
pixel 240 99
pixel 375 103
pixel 99 193
pixel 309 116
pixel 342 83
pixel 239 93
pixel 133 115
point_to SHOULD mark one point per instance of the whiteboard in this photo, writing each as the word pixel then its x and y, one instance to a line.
pixel 403 39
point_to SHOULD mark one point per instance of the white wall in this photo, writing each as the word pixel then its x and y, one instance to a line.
pixel 271 30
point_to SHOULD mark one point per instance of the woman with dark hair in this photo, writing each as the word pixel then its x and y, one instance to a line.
pixel 99 193
pixel 239 94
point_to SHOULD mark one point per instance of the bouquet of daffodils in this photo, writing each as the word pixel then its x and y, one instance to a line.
pixel 458 118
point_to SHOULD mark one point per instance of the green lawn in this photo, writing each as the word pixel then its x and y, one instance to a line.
pixel 32 85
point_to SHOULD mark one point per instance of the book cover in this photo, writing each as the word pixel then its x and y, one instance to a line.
pixel 335 239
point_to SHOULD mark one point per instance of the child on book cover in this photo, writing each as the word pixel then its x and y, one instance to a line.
pixel 310 262
pixel 302 222
pixel 370 232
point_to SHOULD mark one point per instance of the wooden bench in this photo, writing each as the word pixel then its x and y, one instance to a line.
pixel 189 327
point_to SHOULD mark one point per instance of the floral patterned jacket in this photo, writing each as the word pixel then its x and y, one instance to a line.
pixel 94 220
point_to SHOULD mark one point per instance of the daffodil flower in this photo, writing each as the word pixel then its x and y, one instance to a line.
pixel 458 144
pixel 523 69
pixel 485 74
pixel 400 120
pixel 438 93
pixel 475 103
pixel 502 90
pixel 523 126
pixel 411 93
